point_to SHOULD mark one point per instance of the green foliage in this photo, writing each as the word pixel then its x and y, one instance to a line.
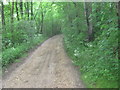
pixel 11 54
pixel 51 24
pixel 98 59
pixel 17 39
pixel 21 35
pixel 18 33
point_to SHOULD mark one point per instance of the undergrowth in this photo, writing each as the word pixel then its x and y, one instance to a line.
pixel 97 56
pixel 18 40
pixel 98 60
pixel 11 54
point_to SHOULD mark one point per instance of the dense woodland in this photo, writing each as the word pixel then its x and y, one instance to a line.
pixel 90 32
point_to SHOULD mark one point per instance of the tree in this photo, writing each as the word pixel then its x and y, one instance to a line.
pixel 21 8
pixel 119 14
pixel 32 10
pixel 12 12
pixel 119 29
pixel 42 17
pixel 16 4
pixel 88 11
pixel 3 16
pixel 28 10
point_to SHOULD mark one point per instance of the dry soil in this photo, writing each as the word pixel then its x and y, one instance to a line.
pixel 47 67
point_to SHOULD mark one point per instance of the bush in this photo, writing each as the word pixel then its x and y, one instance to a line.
pixel 97 59
pixel 17 33
pixel 11 54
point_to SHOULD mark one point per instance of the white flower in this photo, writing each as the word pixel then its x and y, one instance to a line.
pixel 76 52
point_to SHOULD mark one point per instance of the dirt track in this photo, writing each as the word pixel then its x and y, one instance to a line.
pixel 47 67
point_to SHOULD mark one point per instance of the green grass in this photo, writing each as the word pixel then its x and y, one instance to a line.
pixel 93 71
pixel 13 54
pixel 90 79
pixel 99 83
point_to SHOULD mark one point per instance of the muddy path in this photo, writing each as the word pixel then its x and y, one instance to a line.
pixel 47 67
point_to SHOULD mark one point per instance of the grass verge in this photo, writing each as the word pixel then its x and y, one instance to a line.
pixel 93 72
pixel 13 54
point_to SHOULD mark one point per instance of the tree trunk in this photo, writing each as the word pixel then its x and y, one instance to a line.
pixel 118 9
pixel 119 32
pixel 3 16
pixel 17 11
pixel 28 10
pixel 88 11
pixel 21 8
pixel 12 12
pixel 42 23
pixel 52 31
pixel 31 10
pixel 42 20
pixel 119 14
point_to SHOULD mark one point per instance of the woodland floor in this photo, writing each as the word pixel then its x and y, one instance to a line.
pixel 47 67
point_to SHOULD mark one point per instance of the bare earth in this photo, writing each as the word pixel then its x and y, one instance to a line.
pixel 47 67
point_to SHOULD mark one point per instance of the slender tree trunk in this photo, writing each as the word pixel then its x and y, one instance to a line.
pixel 119 33
pixel 21 8
pixel 90 32
pixel 38 18
pixel 31 10
pixel 17 11
pixel 118 9
pixel 52 20
pixel 38 23
pixel 42 22
pixel 12 12
pixel 28 10
pixel 3 16
pixel 119 14
pixel 88 11
pixel 26 13
pixel 12 20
